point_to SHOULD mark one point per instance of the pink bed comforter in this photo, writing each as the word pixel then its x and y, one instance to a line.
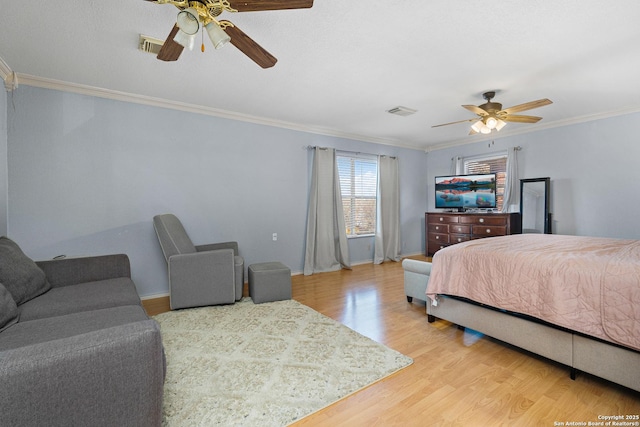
pixel 587 284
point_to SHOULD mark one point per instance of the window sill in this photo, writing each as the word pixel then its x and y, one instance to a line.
pixel 360 235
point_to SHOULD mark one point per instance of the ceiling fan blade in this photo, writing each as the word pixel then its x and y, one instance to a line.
pixel 475 110
pixel 256 5
pixel 527 106
pixel 521 119
pixel 170 50
pixel 453 123
pixel 249 47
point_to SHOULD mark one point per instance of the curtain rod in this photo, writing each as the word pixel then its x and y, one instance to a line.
pixel 518 148
pixel 313 147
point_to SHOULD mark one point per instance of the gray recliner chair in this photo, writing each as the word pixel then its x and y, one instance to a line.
pixel 198 275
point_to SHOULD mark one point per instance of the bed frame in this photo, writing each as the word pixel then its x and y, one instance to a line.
pixel 577 351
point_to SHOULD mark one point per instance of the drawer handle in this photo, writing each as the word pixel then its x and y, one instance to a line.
pixel 437 237
pixel 459 240
pixel 441 219
pixel 481 220
pixel 488 230
pixel 437 227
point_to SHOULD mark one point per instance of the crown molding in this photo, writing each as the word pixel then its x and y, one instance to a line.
pixel 11 82
pixel 5 70
pixel 63 86
pixel 8 76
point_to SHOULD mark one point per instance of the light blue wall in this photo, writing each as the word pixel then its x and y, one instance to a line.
pixel 593 168
pixel 86 176
pixel 3 163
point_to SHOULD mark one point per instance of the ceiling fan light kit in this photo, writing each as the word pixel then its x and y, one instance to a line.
pixel 217 35
pixel 480 127
pixel 189 25
pixel 487 125
pixel 185 40
pixel 493 117
pixel 197 14
pixel 188 21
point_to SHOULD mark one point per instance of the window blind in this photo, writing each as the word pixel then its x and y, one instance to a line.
pixel 494 164
pixel 358 183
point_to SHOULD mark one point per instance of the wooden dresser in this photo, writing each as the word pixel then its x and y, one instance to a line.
pixel 444 229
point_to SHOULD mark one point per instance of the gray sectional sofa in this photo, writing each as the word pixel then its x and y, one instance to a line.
pixel 76 346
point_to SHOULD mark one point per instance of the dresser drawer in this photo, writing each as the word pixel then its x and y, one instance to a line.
pixel 436 246
pixel 488 230
pixel 459 238
pixel 483 220
pixel 439 238
pixel 442 219
pixel 439 228
pixel 460 229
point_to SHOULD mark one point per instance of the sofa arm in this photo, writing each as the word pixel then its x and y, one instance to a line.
pixel 202 278
pixel 239 261
pixel 71 271
pixel 109 377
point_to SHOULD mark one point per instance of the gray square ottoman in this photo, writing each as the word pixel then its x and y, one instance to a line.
pixel 269 281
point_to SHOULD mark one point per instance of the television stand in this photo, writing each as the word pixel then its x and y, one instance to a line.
pixel 443 229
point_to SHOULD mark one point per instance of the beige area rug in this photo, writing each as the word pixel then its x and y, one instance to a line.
pixel 264 364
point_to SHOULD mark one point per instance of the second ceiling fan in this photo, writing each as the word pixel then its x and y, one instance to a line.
pixel 492 116
pixel 201 15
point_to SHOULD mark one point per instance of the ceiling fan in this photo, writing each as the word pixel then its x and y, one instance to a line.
pixel 201 15
pixel 492 116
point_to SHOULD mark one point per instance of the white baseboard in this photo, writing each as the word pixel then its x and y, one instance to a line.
pixel 154 296
pixel 413 254
pixel 293 273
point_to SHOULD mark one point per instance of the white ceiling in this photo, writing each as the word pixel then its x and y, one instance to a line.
pixel 342 64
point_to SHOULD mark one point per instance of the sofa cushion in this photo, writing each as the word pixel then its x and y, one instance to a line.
pixel 82 297
pixel 54 328
pixel 19 274
pixel 8 309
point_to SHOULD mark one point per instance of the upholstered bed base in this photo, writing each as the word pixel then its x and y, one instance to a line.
pixel 580 353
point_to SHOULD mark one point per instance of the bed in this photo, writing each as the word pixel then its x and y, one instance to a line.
pixel 572 299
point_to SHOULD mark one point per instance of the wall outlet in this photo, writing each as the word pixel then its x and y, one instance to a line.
pixel 274 237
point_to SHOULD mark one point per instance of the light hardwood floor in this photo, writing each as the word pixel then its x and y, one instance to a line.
pixel 458 378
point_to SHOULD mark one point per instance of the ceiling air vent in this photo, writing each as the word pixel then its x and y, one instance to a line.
pixel 401 111
pixel 150 44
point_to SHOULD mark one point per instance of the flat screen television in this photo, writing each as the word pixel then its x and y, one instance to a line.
pixel 464 192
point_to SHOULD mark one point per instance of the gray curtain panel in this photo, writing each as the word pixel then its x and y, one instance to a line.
pixel 511 201
pixel 326 244
pixel 387 239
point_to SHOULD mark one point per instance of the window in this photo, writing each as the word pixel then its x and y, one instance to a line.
pixel 358 185
pixel 494 164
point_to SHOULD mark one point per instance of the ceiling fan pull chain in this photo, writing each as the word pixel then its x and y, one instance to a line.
pixel 202 46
